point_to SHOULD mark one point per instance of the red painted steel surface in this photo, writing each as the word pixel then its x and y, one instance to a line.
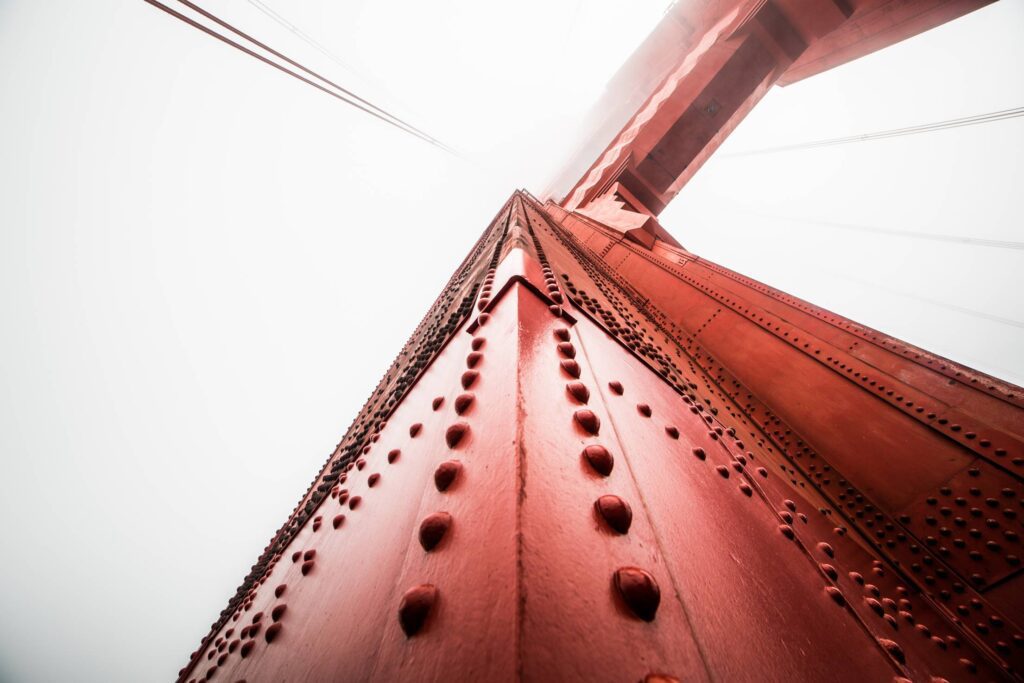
pixel 702 70
pixel 602 457
pixel 630 464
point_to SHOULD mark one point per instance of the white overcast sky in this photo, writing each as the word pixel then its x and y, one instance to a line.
pixel 205 266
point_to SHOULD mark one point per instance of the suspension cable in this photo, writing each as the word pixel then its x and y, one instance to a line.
pixel 894 133
pixel 358 102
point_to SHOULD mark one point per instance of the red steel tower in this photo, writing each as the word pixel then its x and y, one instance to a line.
pixel 601 457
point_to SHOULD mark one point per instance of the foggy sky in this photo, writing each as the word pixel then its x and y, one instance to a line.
pixel 205 266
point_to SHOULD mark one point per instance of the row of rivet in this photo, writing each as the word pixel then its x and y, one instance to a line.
pixel 933 579
pixel 637 588
pixel 914 354
pixel 418 602
pixel 599 459
pixel 426 340
pixel 308 558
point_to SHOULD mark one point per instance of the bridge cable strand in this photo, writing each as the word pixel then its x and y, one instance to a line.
pixel 316 75
pixel 278 18
pixel 936 237
pixel 270 12
pixel 977 119
pixel 369 108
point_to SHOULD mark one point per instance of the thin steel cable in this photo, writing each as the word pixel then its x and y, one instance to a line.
pixel 278 18
pixel 977 119
pixel 270 12
pixel 936 237
pixel 316 75
pixel 205 29
pixel 934 302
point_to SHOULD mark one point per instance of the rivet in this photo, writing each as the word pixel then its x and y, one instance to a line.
pixel 763 472
pixel 699 452
pixel 309 554
pixel 579 391
pixel 599 459
pixel 271 633
pixel 643 409
pixel 478 343
pixel 415 429
pixel 454 434
pixel 790 504
pixel 463 402
pixel 894 650
pixel 473 359
pixel 469 378
pixel 393 456
pixel 571 368
pixel 446 473
pixel 836 595
pixel 747 491
pixel 723 470
pixel 672 432
pixel 484 318
pixel 567 349
pixel 787 531
pixel 829 570
pixel 615 511
pixel 338 520
pixel 246 649
pixel 307 567
pixel 639 590
pixel 616 388
pixel 588 421
pixel 415 607
pixel 278 612
pixel 354 502
pixel 437 402
pixel 279 591
pixel 433 528
pixel 827 549
pixel 562 334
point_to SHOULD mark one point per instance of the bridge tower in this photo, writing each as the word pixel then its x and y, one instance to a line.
pixel 601 457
